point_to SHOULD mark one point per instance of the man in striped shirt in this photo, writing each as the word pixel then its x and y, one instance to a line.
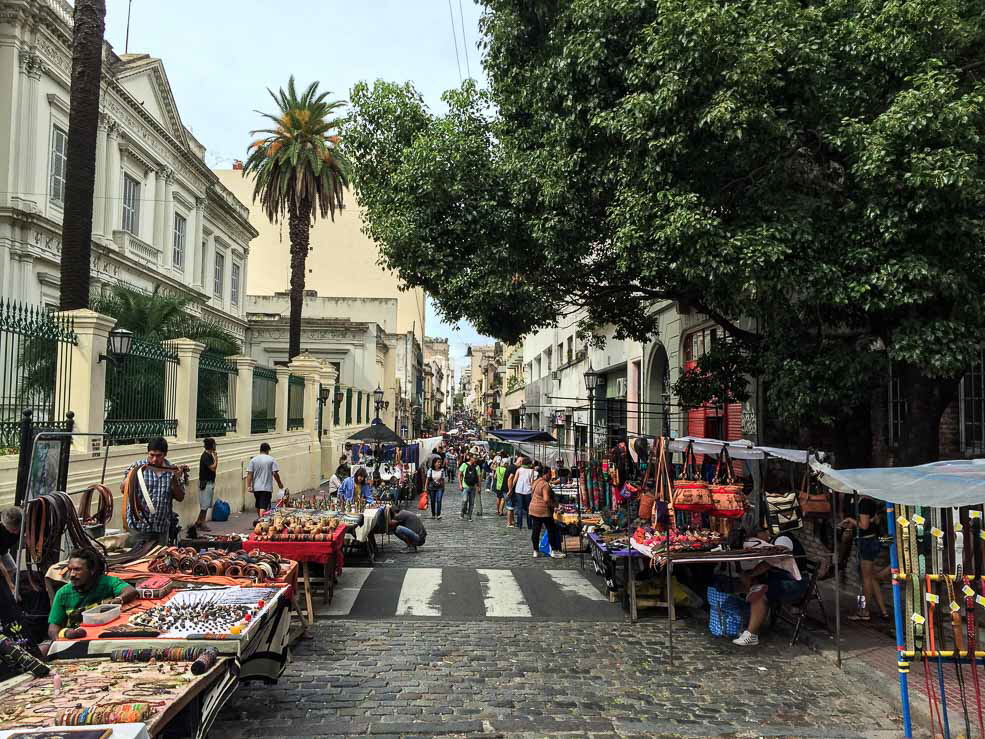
pixel 164 483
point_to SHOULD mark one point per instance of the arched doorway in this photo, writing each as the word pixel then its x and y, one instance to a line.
pixel 657 392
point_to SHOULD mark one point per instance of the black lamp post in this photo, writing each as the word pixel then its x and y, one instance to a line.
pixel 378 400
pixel 323 394
pixel 591 382
pixel 118 346
pixel 523 415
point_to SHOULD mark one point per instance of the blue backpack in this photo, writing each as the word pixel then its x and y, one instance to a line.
pixel 220 511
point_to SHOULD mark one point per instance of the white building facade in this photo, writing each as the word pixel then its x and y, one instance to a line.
pixel 161 219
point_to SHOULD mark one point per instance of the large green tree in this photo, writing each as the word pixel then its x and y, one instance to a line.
pixel 299 172
pixel 808 174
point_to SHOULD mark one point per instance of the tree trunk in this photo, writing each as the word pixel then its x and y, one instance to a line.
pixel 299 226
pixel 926 400
pixel 80 172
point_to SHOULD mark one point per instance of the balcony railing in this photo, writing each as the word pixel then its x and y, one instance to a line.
pixel 136 248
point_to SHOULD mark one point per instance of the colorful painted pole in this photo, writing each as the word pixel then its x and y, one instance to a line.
pixel 901 662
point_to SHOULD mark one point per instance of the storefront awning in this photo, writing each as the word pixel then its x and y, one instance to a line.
pixel 739 449
pixel 949 484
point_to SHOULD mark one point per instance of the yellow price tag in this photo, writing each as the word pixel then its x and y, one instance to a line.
pixel 903 522
pixel 936 532
pixel 919 520
pixel 918 619
pixel 974 514
pixel 958 527
pixel 980 600
pixel 968 592
pixel 933 598
pixel 954 607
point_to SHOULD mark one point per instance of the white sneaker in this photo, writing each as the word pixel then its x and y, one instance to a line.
pixel 746 639
pixel 558 555
pixel 536 554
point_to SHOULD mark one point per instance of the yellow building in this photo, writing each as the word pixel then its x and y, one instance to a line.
pixel 342 261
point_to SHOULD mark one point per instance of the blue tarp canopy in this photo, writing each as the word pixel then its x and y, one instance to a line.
pixel 523 436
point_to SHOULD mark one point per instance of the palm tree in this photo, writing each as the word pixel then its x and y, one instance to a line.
pixel 80 168
pixel 299 171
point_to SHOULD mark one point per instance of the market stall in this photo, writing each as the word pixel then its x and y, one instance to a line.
pixel 935 517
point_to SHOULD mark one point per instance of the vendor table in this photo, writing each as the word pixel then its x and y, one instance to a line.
pixel 678 558
pixel 32 703
pixel 326 553
pixel 604 560
pixel 120 731
pixel 260 652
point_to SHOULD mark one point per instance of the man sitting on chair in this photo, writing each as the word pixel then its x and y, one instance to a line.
pixel 409 528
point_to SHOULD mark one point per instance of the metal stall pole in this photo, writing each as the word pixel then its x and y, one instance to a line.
pixel 835 542
pixel 901 664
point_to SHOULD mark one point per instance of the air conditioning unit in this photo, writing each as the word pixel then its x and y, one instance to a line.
pixel 621 388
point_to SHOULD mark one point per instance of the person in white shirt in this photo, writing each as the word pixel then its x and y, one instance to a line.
pixel 261 473
pixel 522 488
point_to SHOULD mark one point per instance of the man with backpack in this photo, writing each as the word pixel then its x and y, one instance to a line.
pixel 470 485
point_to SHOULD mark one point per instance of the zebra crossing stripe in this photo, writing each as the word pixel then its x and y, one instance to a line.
pixel 346 592
pixel 501 594
pixel 419 593
pixel 574 583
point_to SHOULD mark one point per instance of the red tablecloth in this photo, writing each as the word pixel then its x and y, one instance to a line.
pixel 321 552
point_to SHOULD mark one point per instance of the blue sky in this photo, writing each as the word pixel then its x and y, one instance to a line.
pixel 222 55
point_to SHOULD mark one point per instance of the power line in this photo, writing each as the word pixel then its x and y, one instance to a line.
pixel 451 14
pixel 465 46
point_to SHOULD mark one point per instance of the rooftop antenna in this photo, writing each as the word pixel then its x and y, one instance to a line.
pixel 126 43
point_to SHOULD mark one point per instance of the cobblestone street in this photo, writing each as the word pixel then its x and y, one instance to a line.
pixel 540 676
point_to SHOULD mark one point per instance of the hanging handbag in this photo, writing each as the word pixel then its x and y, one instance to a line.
pixel 690 492
pixel 783 512
pixel 728 498
pixel 813 503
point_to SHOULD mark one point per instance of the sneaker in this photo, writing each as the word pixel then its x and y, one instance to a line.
pixel 410 548
pixel 746 639
pixel 536 554
pixel 439 516
pixel 558 555
pixel 470 518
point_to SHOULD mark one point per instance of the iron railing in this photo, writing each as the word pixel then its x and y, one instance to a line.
pixel 216 395
pixel 295 403
pixel 141 394
pixel 264 400
pixel 35 368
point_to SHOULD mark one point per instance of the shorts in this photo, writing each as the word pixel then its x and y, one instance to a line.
pixel 500 494
pixel 263 499
pixel 205 496
pixel 869 548
pixel 511 501
pixel 781 588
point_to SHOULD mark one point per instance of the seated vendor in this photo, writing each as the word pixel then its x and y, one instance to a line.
pixel 87 586
pixel 771 582
pixel 357 483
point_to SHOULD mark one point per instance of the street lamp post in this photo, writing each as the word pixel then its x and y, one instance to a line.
pixel 523 415
pixel 378 400
pixel 591 382
pixel 323 394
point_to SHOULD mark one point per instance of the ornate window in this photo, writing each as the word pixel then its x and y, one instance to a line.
pixel 59 158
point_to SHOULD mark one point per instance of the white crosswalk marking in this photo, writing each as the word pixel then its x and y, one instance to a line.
pixel 502 595
pixel 419 592
pixel 346 591
pixel 574 583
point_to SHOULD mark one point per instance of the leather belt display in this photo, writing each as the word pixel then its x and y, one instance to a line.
pixel 47 519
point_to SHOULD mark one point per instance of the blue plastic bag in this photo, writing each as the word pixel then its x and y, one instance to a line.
pixel 220 511
pixel 545 545
pixel 725 615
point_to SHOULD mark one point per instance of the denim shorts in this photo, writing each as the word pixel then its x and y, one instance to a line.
pixel 205 496
pixel 511 501
pixel 869 548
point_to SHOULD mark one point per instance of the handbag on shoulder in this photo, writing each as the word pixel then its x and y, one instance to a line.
pixel 813 503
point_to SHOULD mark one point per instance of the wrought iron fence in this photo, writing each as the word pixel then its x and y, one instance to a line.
pixel 264 400
pixel 216 395
pixel 140 394
pixel 35 368
pixel 295 403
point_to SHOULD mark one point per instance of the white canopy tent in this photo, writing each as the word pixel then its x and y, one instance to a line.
pixel 741 449
pixel 949 484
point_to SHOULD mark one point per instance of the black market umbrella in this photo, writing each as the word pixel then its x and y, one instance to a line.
pixel 378 433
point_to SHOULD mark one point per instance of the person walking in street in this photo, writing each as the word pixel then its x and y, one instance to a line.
pixel 207 465
pixel 542 505
pixel 510 496
pixel 499 479
pixel 471 478
pixel 436 486
pixel 451 464
pixel 522 487
pixel 409 528
pixel 162 484
pixel 261 473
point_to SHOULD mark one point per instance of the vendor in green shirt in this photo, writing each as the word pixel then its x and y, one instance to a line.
pixel 87 586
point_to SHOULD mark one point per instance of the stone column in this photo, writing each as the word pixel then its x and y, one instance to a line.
pixel 244 394
pixel 99 190
pixel 31 190
pixel 87 375
pixel 164 205
pixel 111 209
pixel 186 401
pixel 308 367
pixel 195 255
pixel 280 403
pixel 148 216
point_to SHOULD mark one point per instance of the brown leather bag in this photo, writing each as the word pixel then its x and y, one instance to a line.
pixel 690 492
pixel 728 498
pixel 813 503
